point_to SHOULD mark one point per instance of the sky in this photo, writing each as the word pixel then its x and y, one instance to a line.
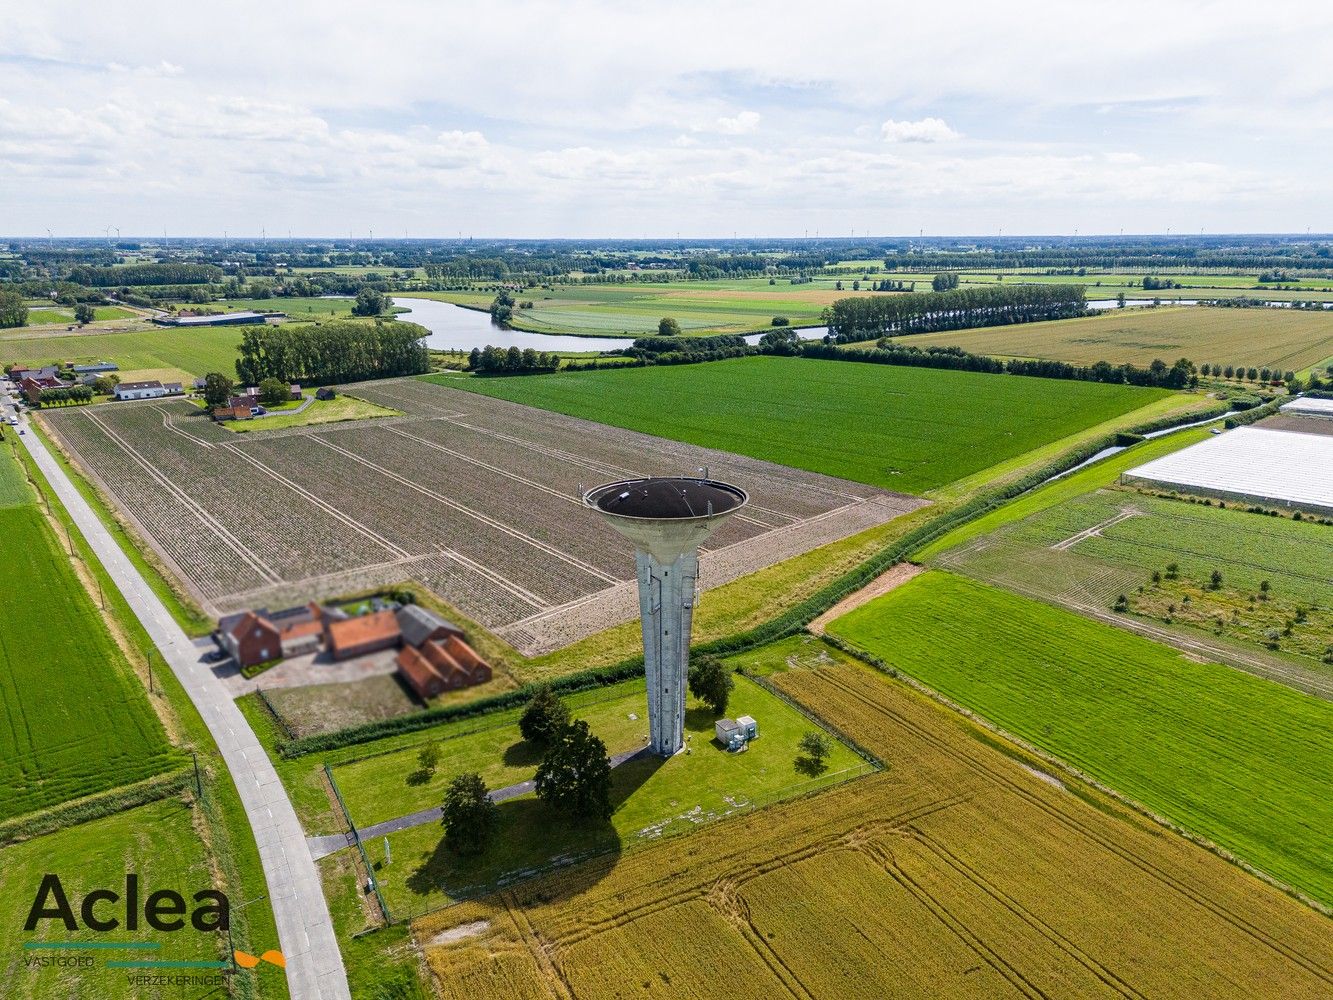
pixel 629 119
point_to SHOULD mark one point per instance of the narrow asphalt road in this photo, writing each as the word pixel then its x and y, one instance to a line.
pixel 305 931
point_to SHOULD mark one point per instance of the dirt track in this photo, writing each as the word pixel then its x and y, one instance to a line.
pixel 894 576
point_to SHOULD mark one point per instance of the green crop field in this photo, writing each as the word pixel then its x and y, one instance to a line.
pixel 52 314
pixel 178 355
pixel 157 841
pixel 296 308
pixel 1241 761
pixel 730 306
pixel 965 870
pixel 1262 338
pixel 652 798
pixel 906 429
pixel 75 720
pixel 1082 541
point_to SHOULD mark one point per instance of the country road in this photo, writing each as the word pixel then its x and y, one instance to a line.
pixel 305 931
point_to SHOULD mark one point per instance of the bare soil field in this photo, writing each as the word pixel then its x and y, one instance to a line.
pixel 476 498
pixel 959 871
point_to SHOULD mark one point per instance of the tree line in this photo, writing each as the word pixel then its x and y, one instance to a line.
pixel 858 319
pixel 339 351
pixel 1158 374
pixel 177 273
pixel 512 361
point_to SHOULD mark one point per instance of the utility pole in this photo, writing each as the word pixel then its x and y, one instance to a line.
pixel 198 785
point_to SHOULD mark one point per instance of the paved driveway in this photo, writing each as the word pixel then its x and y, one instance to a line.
pixel 305 931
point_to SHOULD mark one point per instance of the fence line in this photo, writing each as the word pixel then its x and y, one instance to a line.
pixel 356 836
pixel 789 793
pixel 818 720
pixel 278 717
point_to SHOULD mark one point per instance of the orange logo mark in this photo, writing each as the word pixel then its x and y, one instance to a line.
pixel 247 961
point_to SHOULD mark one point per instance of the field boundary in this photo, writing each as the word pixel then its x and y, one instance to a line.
pixel 356 838
pixel 791 622
pixel 771 800
pixel 1081 777
pixel 108 802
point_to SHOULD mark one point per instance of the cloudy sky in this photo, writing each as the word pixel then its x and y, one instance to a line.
pixel 577 118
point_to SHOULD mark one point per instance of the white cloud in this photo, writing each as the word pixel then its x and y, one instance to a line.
pixel 323 124
pixel 925 130
pixel 739 124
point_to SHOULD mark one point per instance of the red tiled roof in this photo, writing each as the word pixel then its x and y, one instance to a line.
pixel 377 626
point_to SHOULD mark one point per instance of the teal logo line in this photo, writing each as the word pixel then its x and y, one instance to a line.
pixel 129 963
pixel 92 946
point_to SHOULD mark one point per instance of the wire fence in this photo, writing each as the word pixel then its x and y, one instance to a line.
pixel 631 843
pixel 822 723
pixel 356 836
pixel 278 717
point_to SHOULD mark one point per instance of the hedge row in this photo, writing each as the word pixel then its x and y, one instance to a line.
pixel 95 806
pixel 584 680
pixel 789 623
pixel 1254 414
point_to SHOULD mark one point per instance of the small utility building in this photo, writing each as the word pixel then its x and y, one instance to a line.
pixel 736 734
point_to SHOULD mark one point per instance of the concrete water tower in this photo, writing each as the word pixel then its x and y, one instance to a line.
pixel 667 519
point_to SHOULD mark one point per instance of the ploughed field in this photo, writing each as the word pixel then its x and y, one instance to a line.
pixel 909 429
pixel 476 498
pixel 957 872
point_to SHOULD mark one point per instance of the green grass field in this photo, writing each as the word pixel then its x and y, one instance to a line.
pixel 75 720
pixel 729 306
pixel 295 308
pixel 1261 338
pixel 1238 760
pixel 320 411
pixel 158 842
pixel 652 798
pixel 43 315
pixel 178 355
pixel 1075 484
pixel 906 429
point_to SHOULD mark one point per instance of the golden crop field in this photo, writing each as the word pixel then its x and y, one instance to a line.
pixel 1286 339
pixel 958 872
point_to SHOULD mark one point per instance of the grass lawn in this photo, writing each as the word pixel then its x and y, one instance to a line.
pixel 59 314
pixel 295 308
pixel 905 429
pixel 1241 761
pixel 158 842
pixel 652 798
pixel 76 720
pixel 1285 339
pixel 177 355
pixel 320 411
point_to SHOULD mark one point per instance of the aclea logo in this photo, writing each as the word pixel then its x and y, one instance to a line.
pixel 108 910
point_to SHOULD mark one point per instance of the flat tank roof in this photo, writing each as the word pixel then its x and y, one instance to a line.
pixel 667 498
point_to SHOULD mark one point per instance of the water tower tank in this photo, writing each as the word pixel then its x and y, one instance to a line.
pixel 667 519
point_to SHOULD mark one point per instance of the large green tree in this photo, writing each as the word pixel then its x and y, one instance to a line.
pixel 217 389
pixel 273 391
pixel 469 814
pixel 371 302
pixel 575 775
pixel 12 310
pixel 545 717
pixel 711 683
